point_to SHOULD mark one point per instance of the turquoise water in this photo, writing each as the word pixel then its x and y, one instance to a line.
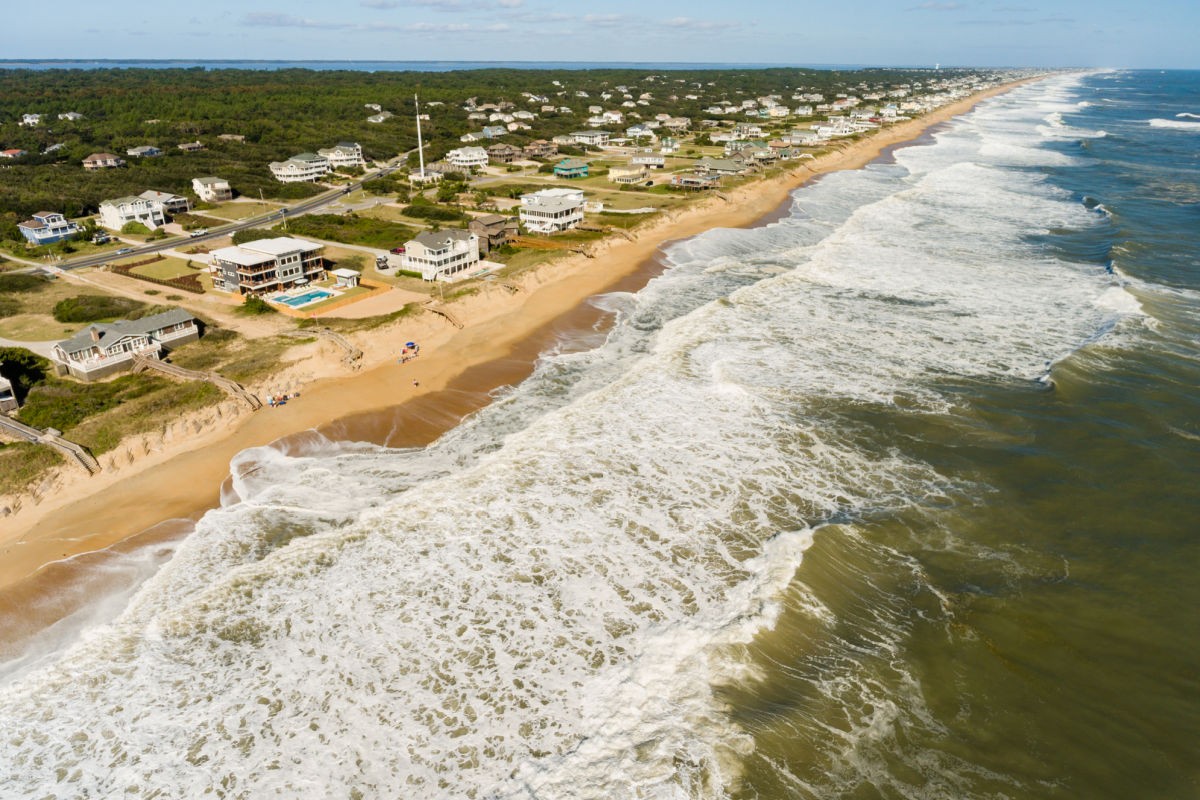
pixel 897 497
pixel 304 299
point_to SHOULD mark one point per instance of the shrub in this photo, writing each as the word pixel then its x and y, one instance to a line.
pixel 151 291
pixel 9 306
pixel 93 307
pixel 135 228
pixel 253 234
pixel 432 212
pixel 255 305
pixel 12 284
pixel 23 368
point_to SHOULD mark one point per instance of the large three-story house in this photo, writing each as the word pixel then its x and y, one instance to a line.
pixel 267 265
pixel 442 256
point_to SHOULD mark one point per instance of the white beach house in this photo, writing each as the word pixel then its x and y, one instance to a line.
pixel 299 168
pixel 468 157
pixel 116 214
pixel 212 190
pixel 443 255
pixel 551 210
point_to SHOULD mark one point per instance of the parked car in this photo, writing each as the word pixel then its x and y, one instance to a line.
pixel 398 250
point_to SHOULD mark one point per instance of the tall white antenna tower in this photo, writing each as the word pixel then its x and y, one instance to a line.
pixel 420 144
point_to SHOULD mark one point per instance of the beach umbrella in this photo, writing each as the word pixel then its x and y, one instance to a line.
pixel 410 344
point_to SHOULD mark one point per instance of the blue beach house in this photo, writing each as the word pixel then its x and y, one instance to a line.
pixel 571 168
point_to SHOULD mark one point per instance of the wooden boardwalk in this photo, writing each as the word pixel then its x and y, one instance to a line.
pixel 353 355
pixel 76 453
pixel 141 364
pixel 443 312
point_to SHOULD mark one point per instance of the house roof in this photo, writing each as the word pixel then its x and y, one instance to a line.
pixel 100 157
pixel 243 258
pixel 280 245
pixel 122 201
pixel 210 181
pixel 110 332
pixel 571 163
pixel 162 197
pixel 441 239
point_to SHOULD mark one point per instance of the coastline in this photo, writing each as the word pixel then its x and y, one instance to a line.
pixel 497 346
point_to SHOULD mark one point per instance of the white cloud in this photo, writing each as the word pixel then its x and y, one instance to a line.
pixel 687 23
pixel 267 20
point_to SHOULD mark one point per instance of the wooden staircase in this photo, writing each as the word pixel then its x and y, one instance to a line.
pixel 353 356
pixel 443 312
pixel 51 438
pixel 233 388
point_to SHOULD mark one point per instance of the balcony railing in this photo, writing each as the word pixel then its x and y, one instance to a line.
pixel 99 362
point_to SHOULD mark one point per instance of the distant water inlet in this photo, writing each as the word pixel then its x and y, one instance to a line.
pixel 873 501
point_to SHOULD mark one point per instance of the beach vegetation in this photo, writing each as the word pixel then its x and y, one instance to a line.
pixel 349 229
pixel 96 308
pixel 135 229
pixel 255 306
pixel 253 235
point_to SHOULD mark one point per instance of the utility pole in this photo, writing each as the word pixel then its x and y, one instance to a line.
pixel 420 144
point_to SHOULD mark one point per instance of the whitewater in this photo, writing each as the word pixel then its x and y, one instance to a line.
pixel 555 599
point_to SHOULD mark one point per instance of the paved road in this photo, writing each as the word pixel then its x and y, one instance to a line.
pixel 303 207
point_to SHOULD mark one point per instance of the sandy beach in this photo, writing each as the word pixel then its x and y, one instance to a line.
pixel 502 335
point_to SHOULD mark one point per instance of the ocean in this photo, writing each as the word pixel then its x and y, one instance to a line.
pixel 895 497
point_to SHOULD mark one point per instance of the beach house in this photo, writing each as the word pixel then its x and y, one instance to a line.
pixel 171 203
pixel 30 119
pixel 266 265
pixel 344 154
pixel 300 168
pixel 14 152
pixel 8 398
pixel 493 230
pixel 571 168
pixel 104 348
pixel 144 151
pixel 47 227
pixel 540 149
pixel 594 138
pixel 628 173
pixel 650 160
pixel 551 210
pixel 467 157
pixel 503 153
pixel 446 255
pixel 212 190
pixel 116 214
pixel 191 147
pixel 102 161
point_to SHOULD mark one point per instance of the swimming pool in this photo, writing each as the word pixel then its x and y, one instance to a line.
pixel 304 299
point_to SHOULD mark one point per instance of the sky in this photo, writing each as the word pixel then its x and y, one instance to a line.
pixel 1050 33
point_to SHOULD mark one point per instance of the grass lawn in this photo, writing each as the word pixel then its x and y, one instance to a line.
pixel 243 210
pixel 35 328
pixel 49 292
pixel 392 214
pixel 78 250
pixel 169 267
